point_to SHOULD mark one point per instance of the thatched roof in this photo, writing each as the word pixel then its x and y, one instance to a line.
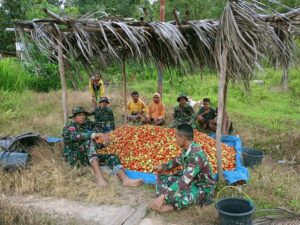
pixel 244 28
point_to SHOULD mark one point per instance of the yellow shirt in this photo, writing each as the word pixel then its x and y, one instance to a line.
pixel 138 107
pixel 94 92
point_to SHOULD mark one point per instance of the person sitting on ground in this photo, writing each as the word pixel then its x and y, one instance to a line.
pixel 96 87
pixel 227 127
pixel 104 116
pixel 193 184
pixel 182 113
pixel 204 115
pixel 136 108
pixel 156 111
pixel 80 148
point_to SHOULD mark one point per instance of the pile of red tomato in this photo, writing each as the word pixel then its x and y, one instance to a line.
pixel 141 148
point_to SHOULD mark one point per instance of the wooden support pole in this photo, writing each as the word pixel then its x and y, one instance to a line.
pixel 222 83
pixel 160 66
pixel 54 16
pixel 285 79
pixel 62 78
pixel 124 87
pixel 223 131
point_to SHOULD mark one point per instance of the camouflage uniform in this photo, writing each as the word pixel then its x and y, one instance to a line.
pixel 104 119
pixel 192 185
pixel 78 145
pixel 182 115
pixel 80 148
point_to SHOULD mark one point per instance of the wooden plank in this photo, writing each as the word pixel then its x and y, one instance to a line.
pixel 119 217
pixel 138 215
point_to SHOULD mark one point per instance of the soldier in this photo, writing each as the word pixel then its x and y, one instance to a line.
pixel 192 185
pixel 80 148
pixel 104 116
pixel 183 113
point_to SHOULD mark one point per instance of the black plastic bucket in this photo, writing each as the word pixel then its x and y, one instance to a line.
pixel 235 211
pixel 252 157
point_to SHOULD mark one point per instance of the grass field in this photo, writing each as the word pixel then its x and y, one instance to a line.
pixel 264 118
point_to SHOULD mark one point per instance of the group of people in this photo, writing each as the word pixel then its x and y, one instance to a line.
pixel 205 119
pixel 193 184
pixel 139 113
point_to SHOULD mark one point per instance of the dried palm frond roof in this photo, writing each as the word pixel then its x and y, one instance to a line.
pixel 244 29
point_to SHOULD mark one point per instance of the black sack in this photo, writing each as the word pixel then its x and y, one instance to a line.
pixel 21 143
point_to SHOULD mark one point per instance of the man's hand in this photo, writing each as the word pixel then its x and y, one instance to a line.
pixel 158 169
pixel 102 138
pixel 157 203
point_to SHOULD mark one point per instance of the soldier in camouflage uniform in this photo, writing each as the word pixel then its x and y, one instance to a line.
pixel 192 185
pixel 183 113
pixel 104 116
pixel 80 147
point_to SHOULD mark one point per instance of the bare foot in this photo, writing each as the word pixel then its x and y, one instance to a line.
pixel 101 182
pixel 132 182
pixel 166 208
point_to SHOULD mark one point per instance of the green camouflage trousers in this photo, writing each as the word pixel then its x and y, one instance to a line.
pixel 184 198
pixel 112 161
pixel 83 154
pixel 87 152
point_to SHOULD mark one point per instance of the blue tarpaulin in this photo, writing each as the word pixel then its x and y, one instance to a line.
pixel 54 139
pixel 240 173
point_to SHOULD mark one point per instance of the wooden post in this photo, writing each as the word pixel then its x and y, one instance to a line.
pixel 62 77
pixel 160 78
pixel 285 79
pixel 223 131
pixel 124 87
pixel 162 11
pixel 160 66
pixel 222 83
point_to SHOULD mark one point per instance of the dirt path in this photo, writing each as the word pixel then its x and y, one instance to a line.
pixel 66 210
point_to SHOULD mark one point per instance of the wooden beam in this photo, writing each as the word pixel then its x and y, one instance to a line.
pixel 54 16
pixel 119 217
pixel 124 87
pixel 62 78
pixel 222 83
pixel 285 79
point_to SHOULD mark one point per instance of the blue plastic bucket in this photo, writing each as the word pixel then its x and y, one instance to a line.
pixel 235 211
pixel 252 157
pixel 13 159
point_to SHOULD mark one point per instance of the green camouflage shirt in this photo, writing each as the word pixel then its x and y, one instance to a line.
pixel 196 170
pixel 104 118
pixel 76 134
pixel 183 114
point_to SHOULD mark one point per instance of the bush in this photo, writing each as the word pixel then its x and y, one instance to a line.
pixel 13 75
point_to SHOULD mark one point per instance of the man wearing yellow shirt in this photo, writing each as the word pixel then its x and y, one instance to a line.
pixel 96 87
pixel 137 109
